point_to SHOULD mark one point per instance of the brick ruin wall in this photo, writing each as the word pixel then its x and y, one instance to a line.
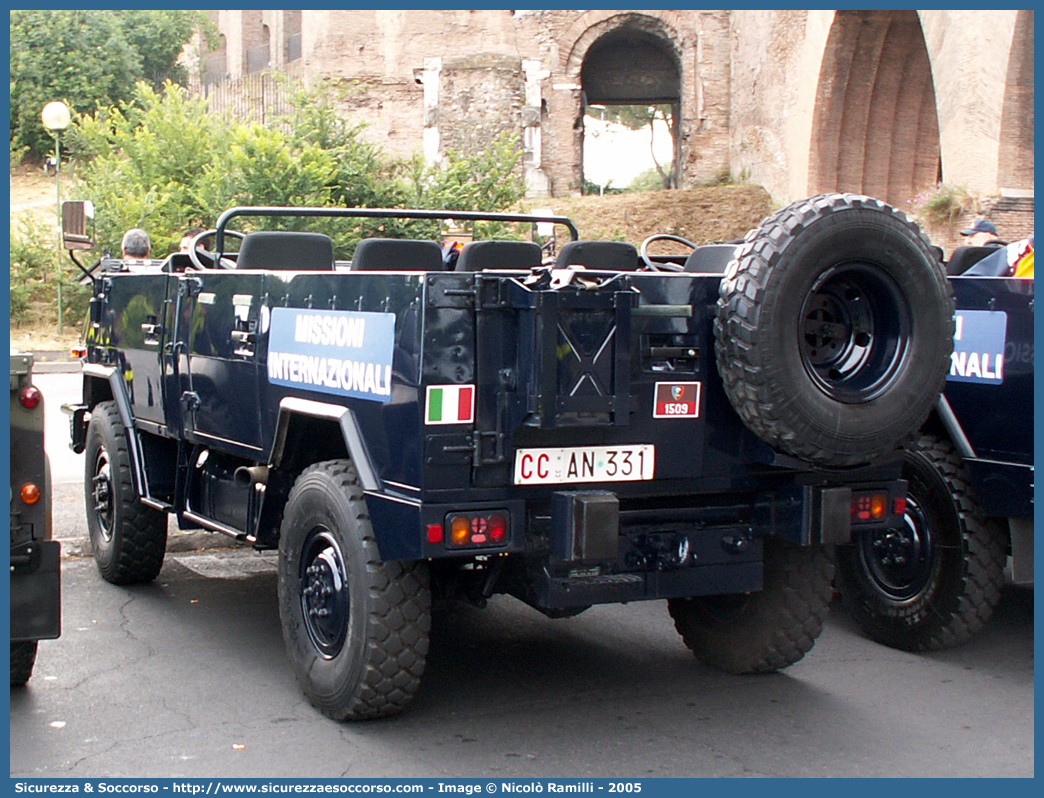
pixel 432 81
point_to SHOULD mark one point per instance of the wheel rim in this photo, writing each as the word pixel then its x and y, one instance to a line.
pixel 855 332
pixel 101 495
pixel 899 562
pixel 324 592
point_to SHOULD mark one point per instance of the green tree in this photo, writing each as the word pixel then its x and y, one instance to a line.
pixel 142 164
pixel 162 162
pixel 159 37
pixel 86 58
pixel 649 180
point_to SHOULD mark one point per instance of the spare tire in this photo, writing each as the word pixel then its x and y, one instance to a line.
pixel 834 329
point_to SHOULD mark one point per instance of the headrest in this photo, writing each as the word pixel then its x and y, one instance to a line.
pixel 397 254
pixel 479 255
pixel 611 255
pixel 963 258
pixel 277 250
pixel 710 258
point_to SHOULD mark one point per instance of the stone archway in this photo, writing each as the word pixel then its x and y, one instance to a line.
pixel 633 70
pixel 875 127
pixel 625 58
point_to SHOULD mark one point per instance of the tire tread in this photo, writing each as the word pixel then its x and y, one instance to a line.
pixel 784 621
pixel 398 618
pixel 23 658
pixel 747 380
pixel 953 619
pixel 142 537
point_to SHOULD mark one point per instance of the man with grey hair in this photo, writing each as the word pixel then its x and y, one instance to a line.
pixel 136 245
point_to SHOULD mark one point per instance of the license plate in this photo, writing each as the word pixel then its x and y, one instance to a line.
pixel 584 464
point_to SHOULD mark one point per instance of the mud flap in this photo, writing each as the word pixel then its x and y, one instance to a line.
pixel 36 609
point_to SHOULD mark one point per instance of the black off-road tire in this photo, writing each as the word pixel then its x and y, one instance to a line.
pixel 128 538
pixel 935 583
pixel 834 329
pixel 768 630
pixel 23 657
pixel 356 628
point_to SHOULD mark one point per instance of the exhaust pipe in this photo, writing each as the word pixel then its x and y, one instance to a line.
pixel 245 476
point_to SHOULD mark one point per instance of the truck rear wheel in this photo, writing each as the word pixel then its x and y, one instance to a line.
pixel 764 631
pixel 128 538
pixel 23 657
pixel 933 584
pixel 834 329
pixel 356 629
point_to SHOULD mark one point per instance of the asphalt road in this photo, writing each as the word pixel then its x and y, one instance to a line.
pixel 187 678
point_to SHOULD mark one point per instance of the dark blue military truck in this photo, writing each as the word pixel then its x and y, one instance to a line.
pixel 611 426
pixel 935 581
pixel 35 557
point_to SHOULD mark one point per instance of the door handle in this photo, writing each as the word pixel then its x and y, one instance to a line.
pixel 244 340
pixel 151 332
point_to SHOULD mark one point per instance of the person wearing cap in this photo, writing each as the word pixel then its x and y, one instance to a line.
pixel 1012 260
pixel 983 233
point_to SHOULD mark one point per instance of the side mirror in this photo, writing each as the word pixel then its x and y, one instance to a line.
pixel 74 224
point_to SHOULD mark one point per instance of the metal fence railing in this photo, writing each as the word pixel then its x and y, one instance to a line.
pixel 261 97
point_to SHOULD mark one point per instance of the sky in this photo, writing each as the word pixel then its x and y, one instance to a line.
pixel 614 152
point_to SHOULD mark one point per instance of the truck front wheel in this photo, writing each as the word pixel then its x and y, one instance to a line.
pixel 128 538
pixel 934 583
pixel 764 631
pixel 356 628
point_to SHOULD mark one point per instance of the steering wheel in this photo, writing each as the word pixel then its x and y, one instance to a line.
pixel 662 267
pixel 195 249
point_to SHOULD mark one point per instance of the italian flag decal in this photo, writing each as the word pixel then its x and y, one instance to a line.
pixel 450 404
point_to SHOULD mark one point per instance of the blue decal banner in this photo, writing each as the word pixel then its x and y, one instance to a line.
pixel 978 347
pixel 340 352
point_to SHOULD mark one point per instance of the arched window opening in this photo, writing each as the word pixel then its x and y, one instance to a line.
pixel 256 43
pixel 292 35
pixel 632 93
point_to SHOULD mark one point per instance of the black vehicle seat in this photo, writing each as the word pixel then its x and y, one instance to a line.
pixel 610 255
pixel 397 254
pixel 279 250
pixel 709 259
pixel 479 255
pixel 963 258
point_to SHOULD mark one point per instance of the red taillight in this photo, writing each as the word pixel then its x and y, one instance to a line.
pixel 869 506
pixel 30 493
pixel 497 528
pixel 434 533
pixel 477 529
pixel 29 396
pixel 78 352
pixel 899 507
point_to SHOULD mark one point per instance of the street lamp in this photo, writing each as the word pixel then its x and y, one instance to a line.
pixel 56 118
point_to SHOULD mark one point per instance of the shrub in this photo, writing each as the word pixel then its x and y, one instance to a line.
pixel 163 163
pixel 941 205
pixel 33 267
pixel 649 180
